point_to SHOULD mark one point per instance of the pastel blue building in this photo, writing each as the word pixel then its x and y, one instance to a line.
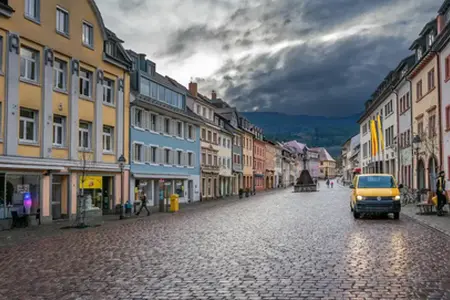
pixel 164 137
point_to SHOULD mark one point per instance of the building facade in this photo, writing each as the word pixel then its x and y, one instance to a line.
pixel 247 152
pixel 259 157
pixel 165 142
pixel 225 156
pixel 278 165
pixel 425 110
pixel 69 78
pixel 327 164
pixel 209 134
pixel 270 160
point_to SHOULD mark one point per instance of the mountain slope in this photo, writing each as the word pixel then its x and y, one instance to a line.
pixel 315 131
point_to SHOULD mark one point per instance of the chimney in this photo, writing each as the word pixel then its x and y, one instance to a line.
pixel 213 95
pixel 440 23
pixel 193 88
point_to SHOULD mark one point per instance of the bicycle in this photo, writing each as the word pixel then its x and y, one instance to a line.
pixel 407 196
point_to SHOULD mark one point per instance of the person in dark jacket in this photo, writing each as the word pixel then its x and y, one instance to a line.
pixel 441 193
pixel 143 205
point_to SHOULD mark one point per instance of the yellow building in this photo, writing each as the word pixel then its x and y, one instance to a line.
pixel 65 113
pixel 247 152
pixel 425 107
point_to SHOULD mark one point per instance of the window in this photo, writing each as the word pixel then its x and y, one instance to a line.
pixel 204 112
pixel 203 158
pixel 179 129
pixel 432 126
pixel 154 91
pixel 420 128
pixel 209 159
pixel 60 74
pixel 161 92
pixel 179 158
pixel 88 35
pixel 32 9
pixel 364 128
pixel 190 159
pixel 108 135
pixel 199 109
pixel 419 53
pixel 167 156
pixel 59 124
pixel 447 68
pixel 29 64
pixel 85 83
pixel 62 21
pixel 153 153
pixel 209 136
pixel 389 136
pixel 190 132
pixel 166 126
pixel 224 143
pixel 108 91
pixel 28 125
pixel 388 108
pixel 153 122
pixel 220 140
pixel 203 134
pixel 447 117
pixel 138 120
pixel 431 80
pixel 138 153
pixel 215 137
pixel 228 143
pixel 110 48
pixel 84 136
pixel 215 160
pixel 430 39
pixel 365 150
pixel 145 86
pixel 419 90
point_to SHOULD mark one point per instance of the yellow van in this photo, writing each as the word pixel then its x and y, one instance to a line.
pixel 375 193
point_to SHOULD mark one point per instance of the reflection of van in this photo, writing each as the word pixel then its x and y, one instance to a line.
pixel 375 193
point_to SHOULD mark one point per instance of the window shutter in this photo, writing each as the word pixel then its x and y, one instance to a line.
pixel 194 132
pixel 146 150
pixel 194 159
pixel 183 158
pixel 158 156
pixel 132 152
pixel 171 156
pixel 146 120
pixel 159 123
pixel 173 127
pixel 133 114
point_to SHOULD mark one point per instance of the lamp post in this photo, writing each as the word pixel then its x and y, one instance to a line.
pixel 121 162
pixel 416 145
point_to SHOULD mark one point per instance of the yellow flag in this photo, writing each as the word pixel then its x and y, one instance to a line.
pixel 380 133
pixel 373 130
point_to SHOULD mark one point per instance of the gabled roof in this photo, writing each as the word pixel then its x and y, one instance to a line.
pixel 444 7
pixel 123 56
pixel 99 18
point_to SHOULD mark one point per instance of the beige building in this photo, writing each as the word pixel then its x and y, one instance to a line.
pixel 327 168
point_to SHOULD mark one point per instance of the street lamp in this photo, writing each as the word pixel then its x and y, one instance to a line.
pixel 121 162
pixel 417 141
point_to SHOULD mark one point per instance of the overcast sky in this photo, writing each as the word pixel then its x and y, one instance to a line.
pixel 312 57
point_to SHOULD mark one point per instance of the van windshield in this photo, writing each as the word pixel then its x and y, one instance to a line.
pixel 369 182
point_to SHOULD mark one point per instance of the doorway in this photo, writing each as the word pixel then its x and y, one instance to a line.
pixel 60 207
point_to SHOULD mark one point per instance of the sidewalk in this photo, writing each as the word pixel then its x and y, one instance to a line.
pixel 441 224
pixel 60 228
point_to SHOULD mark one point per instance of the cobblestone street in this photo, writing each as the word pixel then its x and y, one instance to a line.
pixel 271 246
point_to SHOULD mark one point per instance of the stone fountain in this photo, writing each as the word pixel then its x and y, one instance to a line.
pixel 305 183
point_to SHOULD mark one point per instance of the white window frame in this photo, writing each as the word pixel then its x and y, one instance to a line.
pixel 87 34
pixel 180 162
pixel 192 164
pixel 150 155
pixel 57 71
pixel 105 136
pixel 107 88
pixel 61 12
pixel 27 64
pixel 83 80
pixel 135 112
pixel 62 126
pixel 33 10
pixel 167 133
pixel 164 161
pixel 154 130
pixel 83 131
pixel 192 137
pixel 26 120
pixel 142 154
pixel 179 136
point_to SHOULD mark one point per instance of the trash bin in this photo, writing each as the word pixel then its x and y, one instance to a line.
pixel 174 205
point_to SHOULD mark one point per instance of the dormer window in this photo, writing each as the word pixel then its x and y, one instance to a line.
pixel 430 39
pixel 419 53
pixel 109 48
pixel 404 71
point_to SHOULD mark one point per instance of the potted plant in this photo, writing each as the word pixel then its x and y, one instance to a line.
pixel 241 193
pixel 247 192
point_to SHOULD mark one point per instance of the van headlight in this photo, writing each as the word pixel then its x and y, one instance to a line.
pixel 397 198
pixel 359 198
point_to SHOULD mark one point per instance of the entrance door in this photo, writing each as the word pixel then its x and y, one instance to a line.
pixel 190 190
pixel 56 197
pixel 106 193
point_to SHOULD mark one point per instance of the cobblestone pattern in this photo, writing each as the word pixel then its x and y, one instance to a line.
pixel 283 246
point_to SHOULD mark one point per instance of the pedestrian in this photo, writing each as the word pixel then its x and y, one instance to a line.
pixel 331 183
pixel 328 183
pixel 143 205
pixel 441 193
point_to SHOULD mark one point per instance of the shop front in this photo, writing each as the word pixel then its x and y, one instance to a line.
pixel 98 191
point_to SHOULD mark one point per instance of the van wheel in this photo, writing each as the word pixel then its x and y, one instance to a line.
pixel 356 215
pixel 396 216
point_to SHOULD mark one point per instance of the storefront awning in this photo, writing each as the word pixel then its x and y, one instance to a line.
pixel 160 176
pixel 357 170
pixel 30 167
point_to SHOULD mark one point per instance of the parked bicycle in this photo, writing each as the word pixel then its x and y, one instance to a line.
pixel 408 196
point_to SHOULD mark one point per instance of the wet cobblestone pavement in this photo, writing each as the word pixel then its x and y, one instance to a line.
pixel 274 246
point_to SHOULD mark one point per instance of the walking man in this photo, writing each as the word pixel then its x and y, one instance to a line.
pixel 328 183
pixel 143 205
pixel 441 193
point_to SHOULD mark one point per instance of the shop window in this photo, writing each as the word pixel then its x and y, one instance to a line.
pixel 59 130
pixel 28 129
pixel 19 193
pixel 179 187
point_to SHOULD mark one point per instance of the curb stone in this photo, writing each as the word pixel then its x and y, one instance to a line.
pixel 428 225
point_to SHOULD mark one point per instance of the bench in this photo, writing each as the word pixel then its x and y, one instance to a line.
pixel 425 208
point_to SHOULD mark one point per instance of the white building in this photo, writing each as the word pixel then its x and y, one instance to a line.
pixel 225 155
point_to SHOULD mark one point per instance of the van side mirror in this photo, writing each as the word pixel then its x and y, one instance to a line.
pixel 400 186
pixel 352 186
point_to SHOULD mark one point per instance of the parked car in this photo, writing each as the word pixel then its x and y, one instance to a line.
pixel 375 194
